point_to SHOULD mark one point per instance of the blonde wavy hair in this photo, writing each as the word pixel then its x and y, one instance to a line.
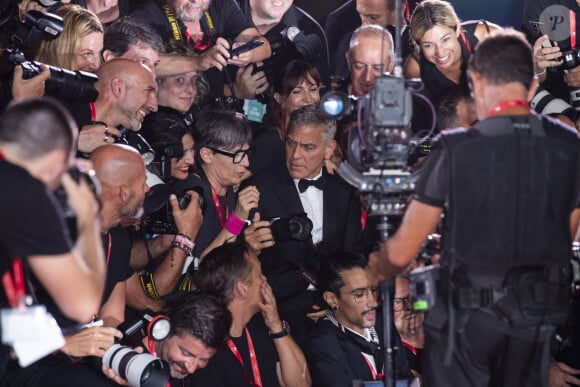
pixel 78 23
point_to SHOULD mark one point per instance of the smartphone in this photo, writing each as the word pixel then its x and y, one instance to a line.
pixel 246 47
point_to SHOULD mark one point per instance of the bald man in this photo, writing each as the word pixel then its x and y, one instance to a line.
pixel 370 54
pixel 127 93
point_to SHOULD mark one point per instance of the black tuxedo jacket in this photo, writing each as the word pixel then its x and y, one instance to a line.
pixel 279 198
pixel 334 360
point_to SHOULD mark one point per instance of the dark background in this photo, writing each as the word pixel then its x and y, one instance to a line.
pixel 502 12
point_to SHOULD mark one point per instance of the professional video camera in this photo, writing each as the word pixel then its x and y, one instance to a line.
pixel 63 84
pixel 381 144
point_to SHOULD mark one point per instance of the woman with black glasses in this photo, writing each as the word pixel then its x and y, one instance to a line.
pixel 222 161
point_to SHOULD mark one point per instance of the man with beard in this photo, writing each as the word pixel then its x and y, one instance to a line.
pixel 127 93
pixel 199 325
pixel 345 346
pixel 212 28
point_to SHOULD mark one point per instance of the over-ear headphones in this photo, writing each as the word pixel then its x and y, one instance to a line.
pixel 158 328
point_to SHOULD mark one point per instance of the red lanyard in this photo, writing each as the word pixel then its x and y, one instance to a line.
pixel 255 370
pixel 151 348
pixel 93 111
pixel 506 105
pixel 218 206
pixel 371 367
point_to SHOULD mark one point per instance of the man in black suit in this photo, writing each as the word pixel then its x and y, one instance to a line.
pixel 304 187
pixel 345 345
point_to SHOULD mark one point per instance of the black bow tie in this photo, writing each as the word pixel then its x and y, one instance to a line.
pixel 303 184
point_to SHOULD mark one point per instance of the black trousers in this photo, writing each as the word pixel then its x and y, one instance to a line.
pixel 487 353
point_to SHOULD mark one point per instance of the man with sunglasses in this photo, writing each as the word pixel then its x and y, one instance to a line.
pixel 304 187
pixel 345 345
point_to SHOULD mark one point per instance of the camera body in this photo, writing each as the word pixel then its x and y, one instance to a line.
pixel 570 59
pixel 294 227
pixel 290 43
pixel 158 217
pixel 139 369
pixel 62 198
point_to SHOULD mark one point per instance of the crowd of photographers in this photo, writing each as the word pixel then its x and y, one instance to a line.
pixel 173 212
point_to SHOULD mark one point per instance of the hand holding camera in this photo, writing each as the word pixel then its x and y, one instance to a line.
pixel 29 88
pixel 250 83
pixel 93 341
pixel 187 213
pixel 258 235
pixel 82 195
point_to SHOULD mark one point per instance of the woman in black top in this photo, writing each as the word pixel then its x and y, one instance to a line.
pixel 443 46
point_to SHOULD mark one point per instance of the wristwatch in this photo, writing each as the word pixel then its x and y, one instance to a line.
pixel 283 333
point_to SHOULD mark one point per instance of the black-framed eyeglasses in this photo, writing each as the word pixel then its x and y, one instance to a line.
pixel 237 156
pixel 399 303
pixel 361 294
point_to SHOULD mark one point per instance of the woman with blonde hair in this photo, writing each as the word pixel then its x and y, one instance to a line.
pixel 80 44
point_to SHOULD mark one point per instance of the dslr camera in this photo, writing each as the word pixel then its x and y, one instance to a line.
pixel 294 227
pixel 140 369
pixel 63 84
pixel 158 217
pixel 62 198
pixel 290 43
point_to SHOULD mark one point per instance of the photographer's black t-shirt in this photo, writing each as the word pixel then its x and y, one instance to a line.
pixel 224 369
pixel 31 223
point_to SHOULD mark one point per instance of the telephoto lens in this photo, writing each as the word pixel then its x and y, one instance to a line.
pixel 139 369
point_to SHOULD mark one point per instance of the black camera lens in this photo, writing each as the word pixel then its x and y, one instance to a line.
pixel 294 227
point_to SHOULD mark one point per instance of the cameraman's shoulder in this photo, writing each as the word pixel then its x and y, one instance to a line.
pixel 556 128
